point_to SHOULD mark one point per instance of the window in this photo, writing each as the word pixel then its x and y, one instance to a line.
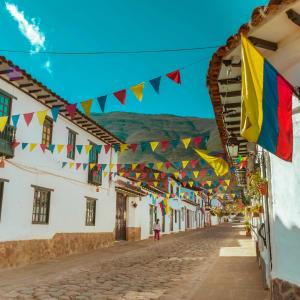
pixel 1 195
pixel 175 216
pixel 93 155
pixel 47 131
pixel 41 205
pixel 90 215
pixel 71 141
pixel 5 105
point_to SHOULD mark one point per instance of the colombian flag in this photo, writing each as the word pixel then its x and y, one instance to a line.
pixel 266 116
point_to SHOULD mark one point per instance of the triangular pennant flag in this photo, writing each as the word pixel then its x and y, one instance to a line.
pixel 175 143
pixel 78 165
pixel 175 76
pixel 156 175
pixel 155 82
pixel 41 115
pixel 197 141
pixel 43 147
pixel 79 148
pixel 51 148
pixel 116 147
pixel 194 163
pixel 185 163
pixel 15 144
pixel 164 145
pixel 121 96
pixel 159 165
pixel 105 174
pixel 191 183
pixel 227 182
pixel 64 164
pixel 107 148
pixel 196 174
pixel 15 120
pixel 154 145
pixel 87 105
pixel 186 142
pixel 55 111
pixel 138 90
pixel 28 118
pixel 71 165
pixel 70 148
pixel 122 174
pixel 59 148
pixel 103 166
pixel 183 174
pixel 133 147
pixel 3 121
pixel 184 183
pixel 155 183
pixel 123 147
pixel 137 175
pixel 88 148
pixel 144 146
pixel 167 164
pixel 71 109
pixel 111 166
pixel 177 164
pixel 151 165
pixel 24 145
pixel 32 146
pixel 209 183
pixel 102 101
pixel 133 166
pixel 92 165
pixel 176 174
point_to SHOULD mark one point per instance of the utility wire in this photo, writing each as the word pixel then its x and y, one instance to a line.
pixel 109 52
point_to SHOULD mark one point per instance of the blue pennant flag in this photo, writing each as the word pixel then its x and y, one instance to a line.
pixel 210 172
pixel 144 146
pixel 79 148
pixel 177 164
pixel 155 82
pixel 175 143
pixel 102 102
pixel 127 166
pixel 202 162
pixel 64 164
pixel 15 120
pixel 116 147
pixel 55 112
pixel 98 148
pixel 24 145
pixel 103 166
pixel 151 175
pixel 51 147
pixel 196 184
pixel 189 174
pixel 151 165
pixel 84 165
pixel 132 174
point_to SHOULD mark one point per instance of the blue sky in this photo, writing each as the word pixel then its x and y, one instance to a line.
pixel 91 25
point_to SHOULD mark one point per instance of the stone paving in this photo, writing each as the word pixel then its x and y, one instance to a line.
pixel 177 267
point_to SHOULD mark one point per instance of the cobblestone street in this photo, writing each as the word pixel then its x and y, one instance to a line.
pixel 202 264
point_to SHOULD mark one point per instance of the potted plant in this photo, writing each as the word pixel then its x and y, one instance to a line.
pixel 247 226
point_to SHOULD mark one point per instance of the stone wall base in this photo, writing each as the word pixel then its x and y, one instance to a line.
pixel 133 233
pixel 17 253
pixel 284 290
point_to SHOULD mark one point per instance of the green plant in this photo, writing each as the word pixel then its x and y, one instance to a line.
pixel 255 184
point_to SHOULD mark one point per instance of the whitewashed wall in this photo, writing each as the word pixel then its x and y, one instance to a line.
pixel 67 204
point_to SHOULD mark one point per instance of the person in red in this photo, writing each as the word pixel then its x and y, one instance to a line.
pixel 156 228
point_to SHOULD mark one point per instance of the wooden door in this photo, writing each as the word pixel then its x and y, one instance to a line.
pixel 151 218
pixel 171 220
pixel 187 218
pixel 121 216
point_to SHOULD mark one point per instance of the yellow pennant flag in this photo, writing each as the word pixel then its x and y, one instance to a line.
pixel 209 182
pixel 176 174
pixel 92 165
pixel 123 147
pixel 167 207
pixel 41 115
pixel 191 183
pixel 105 174
pixel 159 165
pixel 71 165
pixel 186 142
pixel 227 182
pixel 210 190
pixel 137 175
pixel 133 166
pixel 219 165
pixel 156 175
pixel 32 147
pixel 138 183
pixel 3 121
pixel 181 194
pixel 59 147
pixel 154 145
pixel 196 174
pixel 138 90
pixel 111 166
pixel 88 148
pixel 121 174
pixel 225 188
pixel 155 183
pixel 185 163
pixel 86 105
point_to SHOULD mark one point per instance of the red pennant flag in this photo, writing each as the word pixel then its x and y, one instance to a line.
pixel 163 175
pixel 194 163
pixel 166 183
pixel 98 167
pixel 142 167
pixel 95 173
pixel 133 147
pixel 183 174
pixel 197 141
pixel 184 183
pixel 28 118
pixel 127 174
pixel 107 148
pixel 69 148
pixel 121 96
pixel 164 145
pixel 168 164
pixel 119 166
pixel 78 165
pixel 43 147
pixel 175 76
pixel 144 175
pixel 203 183
pixel 71 109
pixel 15 144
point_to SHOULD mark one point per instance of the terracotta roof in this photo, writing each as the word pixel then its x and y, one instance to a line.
pixel 258 16
pixel 29 85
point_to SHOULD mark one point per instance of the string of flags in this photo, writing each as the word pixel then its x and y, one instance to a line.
pixel 164 145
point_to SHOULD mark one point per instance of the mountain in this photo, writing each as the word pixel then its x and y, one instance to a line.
pixel 136 128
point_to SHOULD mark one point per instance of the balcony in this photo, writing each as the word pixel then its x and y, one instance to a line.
pixel 95 179
pixel 7 137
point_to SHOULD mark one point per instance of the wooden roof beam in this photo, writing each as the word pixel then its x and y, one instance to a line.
pixel 24 85
pixel 228 62
pixel 43 96
pixel 263 43
pixel 231 94
pixel 232 105
pixel 293 16
pixel 35 91
pixel 232 123
pixel 229 81
pixel 51 101
pixel 16 78
pixel 6 71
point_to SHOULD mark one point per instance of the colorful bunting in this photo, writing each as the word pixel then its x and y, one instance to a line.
pixel 3 121
pixel 155 82
pixel 175 76
pixel 186 142
pixel 71 109
pixel 87 105
pixel 137 90
pixel 102 101
pixel 154 145
pixel 15 120
pixel 55 111
pixel 121 96
pixel 28 118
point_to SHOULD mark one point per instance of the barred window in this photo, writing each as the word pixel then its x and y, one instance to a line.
pixel 47 131
pixel 90 215
pixel 5 105
pixel 41 206
pixel 71 141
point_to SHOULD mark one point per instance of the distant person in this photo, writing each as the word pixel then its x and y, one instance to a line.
pixel 156 228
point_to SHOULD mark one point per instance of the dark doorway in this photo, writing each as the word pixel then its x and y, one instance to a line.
pixel 121 216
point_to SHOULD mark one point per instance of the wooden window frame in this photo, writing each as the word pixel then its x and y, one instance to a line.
pixel 47 138
pixel 41 211
pixel 10 104
pixel 71 154
pixel 90 211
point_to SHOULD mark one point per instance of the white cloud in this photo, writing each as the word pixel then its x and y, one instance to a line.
pixel 28 28
pixel 48 66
